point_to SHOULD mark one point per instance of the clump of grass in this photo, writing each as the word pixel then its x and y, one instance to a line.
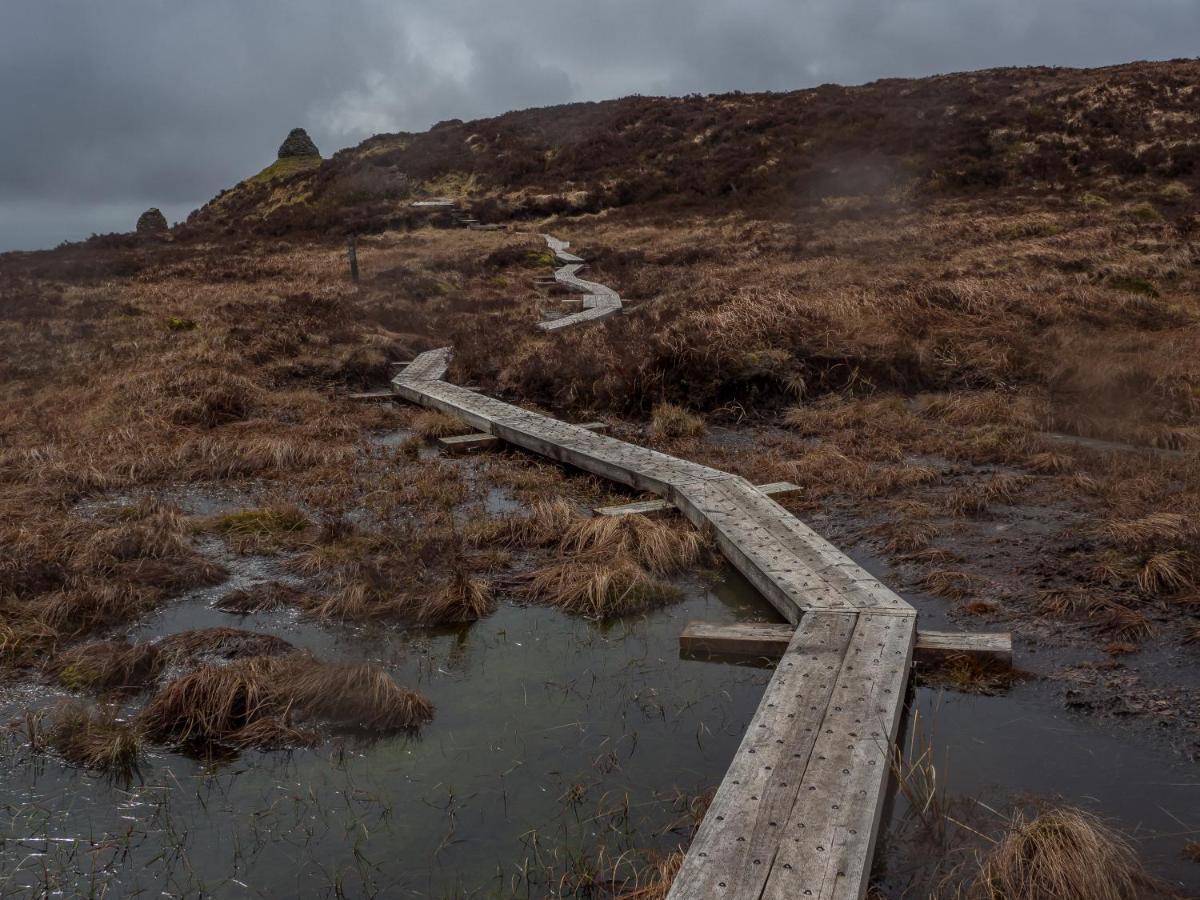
pixel 949 583
pixel 1145 532
pixel 1050 463
pixel 359 696
pixel 975 498
pixel 460 598
pixel 222 642
pixel 1123 623
pixel 76 611
pixel 251 702
pixel 656 879
pixel 108 665
pixel 600 589
pixel 1062 853
pixel 906 536
pixel 671 422
pixel 260 598
pixel 266 522
pixel 1166 571
pixel 431 424
pixel 969 675
pixel 1062 602
pixel 610 566
pixel 546 523
pixel 659 546
pixel 214 703
pixel 97 739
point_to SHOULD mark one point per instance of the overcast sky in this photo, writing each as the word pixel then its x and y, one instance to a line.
pixel 111 106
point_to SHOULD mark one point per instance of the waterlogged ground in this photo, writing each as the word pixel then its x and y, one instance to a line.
pixel 563 753
pixel 554 738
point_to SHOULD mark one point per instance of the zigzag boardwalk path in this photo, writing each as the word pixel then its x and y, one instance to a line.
pixel 798 811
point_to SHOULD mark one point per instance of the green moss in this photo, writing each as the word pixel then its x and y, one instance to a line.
pixel 282 520
pixel 1092 200
pixel 1143 212
pixel 175 323
pixel 281 168
pixel 1133 284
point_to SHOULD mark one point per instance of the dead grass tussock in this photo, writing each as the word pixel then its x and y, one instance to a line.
pixel 1064 602
pixel 260 598
pixel 974 498
pixel 460 598
pixel 108 665
pixel 949 583
pixel 222 642
pixel 1063 853
pixel 1124 623
pixel 656 880
pixel 97 738
pixel 969 675
pixel 431 424
pixel 907 537
pixel 599 588
pixel 1166 572
pixel 669 422
pixel 985 408
pixel 254 699
pixel 283 520
pixel 76 611
pixel 660 546
pixel 1149 531
pixel 221 456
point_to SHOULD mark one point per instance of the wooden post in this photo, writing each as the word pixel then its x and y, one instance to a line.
pixel 352 251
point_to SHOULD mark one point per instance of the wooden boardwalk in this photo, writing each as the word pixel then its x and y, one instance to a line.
pixel 797 814
pixel 599 301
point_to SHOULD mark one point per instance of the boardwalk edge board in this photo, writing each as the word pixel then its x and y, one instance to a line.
pixel 798 811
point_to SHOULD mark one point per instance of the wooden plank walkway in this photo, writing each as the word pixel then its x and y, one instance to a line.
pixel 798 811
pixel 599 301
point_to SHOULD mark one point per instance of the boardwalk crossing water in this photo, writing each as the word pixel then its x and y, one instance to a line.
pixel 798 811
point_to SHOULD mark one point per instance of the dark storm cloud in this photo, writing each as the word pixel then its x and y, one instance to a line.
pixel 110 107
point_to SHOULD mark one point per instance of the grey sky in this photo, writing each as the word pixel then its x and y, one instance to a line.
pixel 111 107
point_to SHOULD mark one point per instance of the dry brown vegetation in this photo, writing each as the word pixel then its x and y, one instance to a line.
pixel 1062 853
pixel 255 701
pixel 97 738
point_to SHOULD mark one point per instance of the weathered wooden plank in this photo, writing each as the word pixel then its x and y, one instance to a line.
pixel 826 847
pixel 935 647
pixel 372 395
pixel 481 440
pixel 463 443
pixel 769 640
pixel 650 507
pixel 733 849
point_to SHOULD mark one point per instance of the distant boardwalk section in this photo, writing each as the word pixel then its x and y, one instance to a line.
pixel 599 301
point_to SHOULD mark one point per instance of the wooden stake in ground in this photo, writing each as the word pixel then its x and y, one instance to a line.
pixel 352 252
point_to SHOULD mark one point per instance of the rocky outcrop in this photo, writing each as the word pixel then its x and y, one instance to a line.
pixel 298 143
pixel 152 222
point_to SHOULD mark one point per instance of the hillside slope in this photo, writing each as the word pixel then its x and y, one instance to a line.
pixel 999 129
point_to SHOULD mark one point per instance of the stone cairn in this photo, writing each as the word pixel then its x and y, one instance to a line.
pixel 298 143
pixel 152 221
